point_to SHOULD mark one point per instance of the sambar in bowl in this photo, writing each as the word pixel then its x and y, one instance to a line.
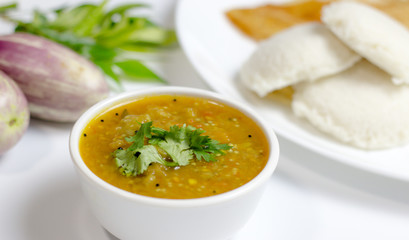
pixel 172 163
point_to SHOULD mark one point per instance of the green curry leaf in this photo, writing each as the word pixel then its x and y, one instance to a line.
pixel 136 70
pixel 102 35
pixel 8 7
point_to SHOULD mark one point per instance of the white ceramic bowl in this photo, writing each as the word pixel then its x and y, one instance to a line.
pixel 131 216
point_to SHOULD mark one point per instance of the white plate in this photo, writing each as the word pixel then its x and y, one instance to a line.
pixel 217 50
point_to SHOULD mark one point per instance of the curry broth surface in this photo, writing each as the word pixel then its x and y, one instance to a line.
pixel 106 132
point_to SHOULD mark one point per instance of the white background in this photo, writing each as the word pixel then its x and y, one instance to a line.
pixel 308 197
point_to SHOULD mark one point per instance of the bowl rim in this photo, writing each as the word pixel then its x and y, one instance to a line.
pixel 96 109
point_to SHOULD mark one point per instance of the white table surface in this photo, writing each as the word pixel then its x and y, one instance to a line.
pixel 308 197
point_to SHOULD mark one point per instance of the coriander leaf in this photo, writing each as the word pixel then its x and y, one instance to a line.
pixel 132 163
pixel 125 161
pixel 178 133
pixel 178 151
pixel 176 144
pixel 159 135
pixel 201 154
pixel 159 132
pixel 180 143
pixel 139 138
pixel 206 148
pixel 148 154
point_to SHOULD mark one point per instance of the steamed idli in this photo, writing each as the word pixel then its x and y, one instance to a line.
pixel 373 34
pixel 304 52
pixel 360 106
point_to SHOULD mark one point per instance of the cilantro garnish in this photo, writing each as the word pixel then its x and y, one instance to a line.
pixel 182 144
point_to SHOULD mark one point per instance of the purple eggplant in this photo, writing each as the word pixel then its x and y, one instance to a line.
pixel 14 114
pixel 58 83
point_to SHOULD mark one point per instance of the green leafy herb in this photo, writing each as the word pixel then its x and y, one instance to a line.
pixel 103 36
pixel 135 162
pixel 176 143
pixel 205 147
pixel 134 69
pixel 139 138
pixel 8 7
pixel 181 145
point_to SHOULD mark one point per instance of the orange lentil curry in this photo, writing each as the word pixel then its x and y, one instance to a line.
pixel 247 157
